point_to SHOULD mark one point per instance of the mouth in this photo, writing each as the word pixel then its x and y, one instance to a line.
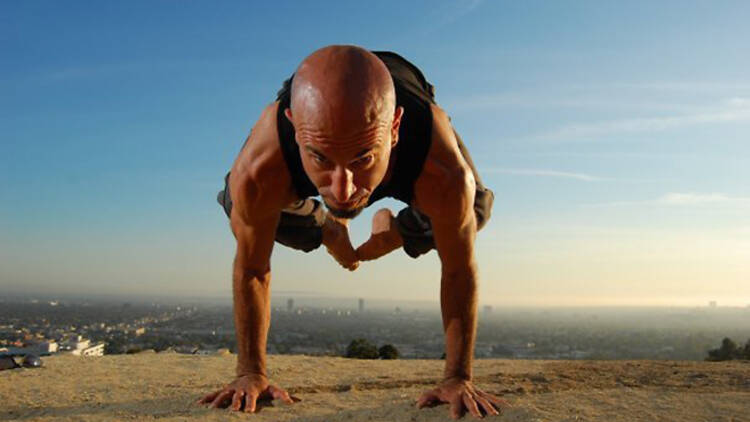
pixel 346 206
pixel 346 210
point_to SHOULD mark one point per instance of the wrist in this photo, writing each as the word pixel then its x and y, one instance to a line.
pixel 250 373
pixel 454 371
pixel 462 376
pixel 252 368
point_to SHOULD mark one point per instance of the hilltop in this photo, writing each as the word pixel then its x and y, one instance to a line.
pixel 164 387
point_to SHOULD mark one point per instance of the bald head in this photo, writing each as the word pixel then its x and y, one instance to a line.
pixel 342 89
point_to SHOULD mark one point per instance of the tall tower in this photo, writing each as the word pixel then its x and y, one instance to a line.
pixel 361 305
pixel 289 305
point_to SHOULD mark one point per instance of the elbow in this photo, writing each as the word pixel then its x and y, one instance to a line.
pixel 483 200
pixel 252 276
pixel 461 275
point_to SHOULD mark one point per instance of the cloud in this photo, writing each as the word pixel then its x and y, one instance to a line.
pixel 700 198
pixel 543 173
pixel 691 87
pixel 450 12
pixel 681 199
pixel 732 110
pixel 516 100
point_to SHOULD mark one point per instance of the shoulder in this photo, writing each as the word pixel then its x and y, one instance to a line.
pixel 445 188
pixel 259 182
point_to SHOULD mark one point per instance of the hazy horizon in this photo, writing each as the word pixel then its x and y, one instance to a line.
pixel 318 299
pixel 614 136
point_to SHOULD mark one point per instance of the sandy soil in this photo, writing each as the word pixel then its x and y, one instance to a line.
pixel 165 386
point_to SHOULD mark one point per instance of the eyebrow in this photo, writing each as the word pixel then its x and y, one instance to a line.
pixel 359 154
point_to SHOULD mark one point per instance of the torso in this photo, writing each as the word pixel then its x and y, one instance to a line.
pixel 425 158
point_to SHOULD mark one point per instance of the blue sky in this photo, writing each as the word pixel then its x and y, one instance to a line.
pixel 615 135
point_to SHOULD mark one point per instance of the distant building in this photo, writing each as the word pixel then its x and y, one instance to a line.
pixel 712 304
pixel 140 331
pixel 96 350
pixel 290 305
pixel 82 347
pixel 361 305
pixel 45 348
pixel 77 343
pixel 487 309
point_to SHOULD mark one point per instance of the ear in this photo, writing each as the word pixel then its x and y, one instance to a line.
pixel 288 114
pixel 397 115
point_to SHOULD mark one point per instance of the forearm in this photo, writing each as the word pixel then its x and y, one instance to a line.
pixel 458 299
pixel 252 318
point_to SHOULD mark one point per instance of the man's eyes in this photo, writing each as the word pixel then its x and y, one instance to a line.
pixel 359 162
pixel 364 160
pixel 319 158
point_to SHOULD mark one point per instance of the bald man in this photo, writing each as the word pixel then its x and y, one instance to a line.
pixel 354 126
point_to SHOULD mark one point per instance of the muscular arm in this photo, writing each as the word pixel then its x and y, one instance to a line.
pixel 445 193
pixel 251 279
pixel 260 189
pixel 454 231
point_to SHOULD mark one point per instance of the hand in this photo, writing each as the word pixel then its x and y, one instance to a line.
pixel 246 390
pixel 336 241
pixel 460 393
pixel 384 238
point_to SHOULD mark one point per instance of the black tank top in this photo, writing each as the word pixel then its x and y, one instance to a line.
pixel 415 94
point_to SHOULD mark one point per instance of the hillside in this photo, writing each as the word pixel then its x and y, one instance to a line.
pixel 165 387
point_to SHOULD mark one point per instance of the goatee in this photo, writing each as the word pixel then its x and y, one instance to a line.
pixel 347 214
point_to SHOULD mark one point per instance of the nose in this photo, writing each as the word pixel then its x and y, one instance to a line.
pixel 342 185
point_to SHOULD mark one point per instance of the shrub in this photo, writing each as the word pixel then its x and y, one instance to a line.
pixel 727 351
pixel 388 351
pixel 361 349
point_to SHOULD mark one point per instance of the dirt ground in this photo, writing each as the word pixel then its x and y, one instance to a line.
pixel 164 387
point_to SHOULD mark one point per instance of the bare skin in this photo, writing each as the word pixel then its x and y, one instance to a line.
pixel 347 158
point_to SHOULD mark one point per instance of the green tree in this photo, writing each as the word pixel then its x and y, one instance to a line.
pixel 727 351
pixel 388 351
pixel 746 352
pixel 361 349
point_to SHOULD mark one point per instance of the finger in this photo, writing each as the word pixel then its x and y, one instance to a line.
pixel 486 405
pixel 497 401
pixel 237 400
pixel 250 401
pixel 222 398
pixel 280 394
pixel 427 398
pixel 208 398
pixel 471 405
pixel 456 408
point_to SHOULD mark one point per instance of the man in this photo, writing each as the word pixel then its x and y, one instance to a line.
pixel 354 126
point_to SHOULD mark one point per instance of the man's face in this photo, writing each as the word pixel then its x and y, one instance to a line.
pixel 347 165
